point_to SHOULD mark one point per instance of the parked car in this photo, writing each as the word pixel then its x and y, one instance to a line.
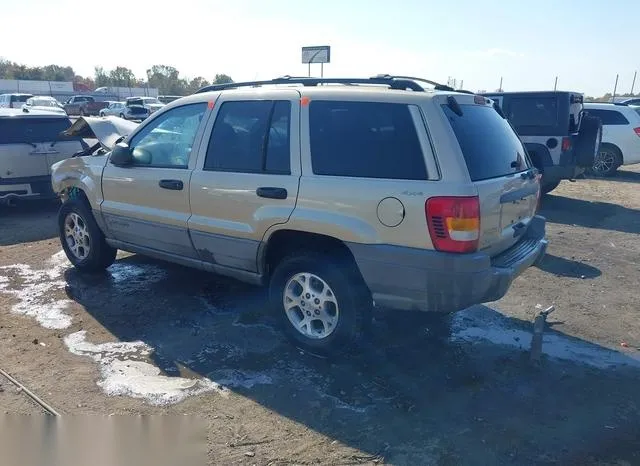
pixel 113 108
pixel 634 101
pixel 134 109
pixel 151 103
pixel 30 142
pixel 561 141
pixel 335 197
pixel 83 105
pixel 13 100
pixel 167 99
pixel 620 136
pixel 43 102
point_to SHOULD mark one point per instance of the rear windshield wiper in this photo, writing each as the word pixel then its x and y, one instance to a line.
pixel 454 106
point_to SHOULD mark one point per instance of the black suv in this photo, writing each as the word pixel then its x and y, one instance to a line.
pixel 561 139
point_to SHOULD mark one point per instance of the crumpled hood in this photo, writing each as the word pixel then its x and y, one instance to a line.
pixel 107 130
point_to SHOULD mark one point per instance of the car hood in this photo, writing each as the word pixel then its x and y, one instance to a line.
pixel 107 130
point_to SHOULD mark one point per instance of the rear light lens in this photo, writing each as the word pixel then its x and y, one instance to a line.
pixel 566 144
pixel 454 223
pixel 637 130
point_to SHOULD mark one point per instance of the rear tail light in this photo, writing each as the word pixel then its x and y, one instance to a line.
pixel 566 144
pixel 454 223
pixel 637 130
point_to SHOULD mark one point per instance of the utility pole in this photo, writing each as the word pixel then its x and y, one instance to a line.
pixel 634 81
pixel 555 86
pixel 615 88
pixel 500 88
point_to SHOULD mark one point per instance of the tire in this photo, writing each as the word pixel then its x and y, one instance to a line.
pixel 122 116
pixel 335 291
pixel 81 238
pixel 588 141
pixel 607 161
pixel 82 112
pixel 547 187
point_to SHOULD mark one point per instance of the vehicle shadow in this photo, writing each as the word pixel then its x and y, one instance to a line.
pixel 590 214
pixel 626 176
pixel 27 222
pixel 468 396
pixel 563 267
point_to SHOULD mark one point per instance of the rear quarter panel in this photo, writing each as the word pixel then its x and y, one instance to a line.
pixel 347 208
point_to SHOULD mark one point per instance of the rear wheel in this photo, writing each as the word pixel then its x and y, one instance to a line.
pixel 81 238
pixel 320 301
pixel 607 161
pixel 122 116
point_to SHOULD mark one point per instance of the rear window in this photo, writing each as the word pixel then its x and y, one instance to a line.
pixel 609 117
pixel 489 145
pixel 20 98
pixel 32 130
pixel 365 139
pixel 533 111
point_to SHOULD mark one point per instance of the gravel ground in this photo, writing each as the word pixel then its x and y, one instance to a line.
pixel 154 338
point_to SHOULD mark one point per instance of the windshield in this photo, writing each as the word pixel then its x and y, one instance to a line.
pixel 41 102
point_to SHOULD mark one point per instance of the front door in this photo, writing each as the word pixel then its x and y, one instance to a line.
pixel 147 204
pixel 247 176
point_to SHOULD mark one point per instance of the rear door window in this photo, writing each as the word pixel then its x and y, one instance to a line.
pixel 251 137
pixel 489 145
pixel 609 117
pixel 32 130
pixel 365 139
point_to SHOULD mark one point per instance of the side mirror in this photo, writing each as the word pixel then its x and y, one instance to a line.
pixel 121 155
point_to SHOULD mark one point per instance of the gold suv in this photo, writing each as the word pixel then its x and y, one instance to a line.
pixel 338 194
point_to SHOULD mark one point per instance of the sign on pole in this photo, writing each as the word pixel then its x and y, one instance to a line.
pixel 316 54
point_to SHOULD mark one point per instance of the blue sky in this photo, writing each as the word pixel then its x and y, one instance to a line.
pixel 527 43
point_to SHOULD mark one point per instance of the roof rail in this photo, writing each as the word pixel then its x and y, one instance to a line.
pixel 392 82
pixel 437 86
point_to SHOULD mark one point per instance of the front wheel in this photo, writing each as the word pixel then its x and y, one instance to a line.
pixel 321 302
pixel 81 238
pixel 122 116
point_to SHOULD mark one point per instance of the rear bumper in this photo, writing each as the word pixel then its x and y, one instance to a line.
pixel 426 280
pixel 561 172
pixel 36 187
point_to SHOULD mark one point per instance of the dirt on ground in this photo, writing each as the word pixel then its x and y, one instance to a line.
pixel 154 338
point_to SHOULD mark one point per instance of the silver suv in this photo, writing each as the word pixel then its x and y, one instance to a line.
pixel 339 194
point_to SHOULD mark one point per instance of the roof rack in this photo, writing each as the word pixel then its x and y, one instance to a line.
pixel 394 82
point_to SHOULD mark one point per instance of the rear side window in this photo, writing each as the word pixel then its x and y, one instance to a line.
pixel 533 111
pixel 365 139
pixel 609 117
pixel 251 137
pixel 32 130
pixel 489 145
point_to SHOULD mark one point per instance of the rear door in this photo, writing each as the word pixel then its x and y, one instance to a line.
pixel 499 168
pixel 247 176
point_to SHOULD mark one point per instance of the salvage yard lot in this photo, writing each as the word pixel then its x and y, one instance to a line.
pixel 153 338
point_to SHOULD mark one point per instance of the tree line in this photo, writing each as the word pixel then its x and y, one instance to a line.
pixel 163 77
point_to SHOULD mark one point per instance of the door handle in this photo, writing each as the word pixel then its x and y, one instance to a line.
pixel 272 193
pixel 175 185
